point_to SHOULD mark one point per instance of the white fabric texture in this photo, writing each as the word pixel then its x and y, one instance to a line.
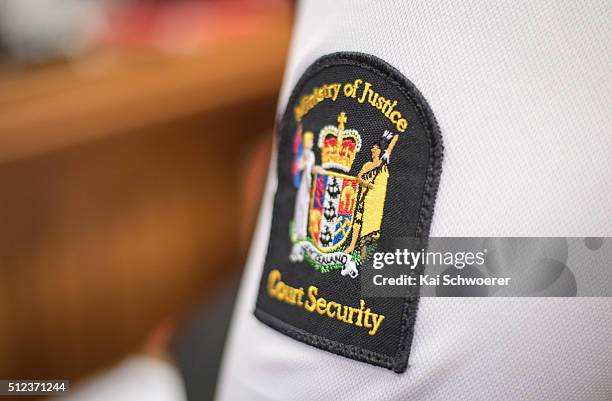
pixel 138 378
pixel 522 91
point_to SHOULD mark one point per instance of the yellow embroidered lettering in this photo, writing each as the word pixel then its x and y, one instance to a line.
pixel 360 312
pixel 273 278
pixel 318 94
pixel 395 116
pixel 366 89
pixel 283 292
pixel 386 106
pixel 402 124
pixel 328 310
pixel 332 90
pixel 377 319
pixel 335 91
pixel 351 90
pixel 300 295
pixel 321 303
pixel 389 108
pixel 311 304
pixel 349 319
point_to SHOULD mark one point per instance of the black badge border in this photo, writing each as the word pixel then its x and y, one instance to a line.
pixel 399 362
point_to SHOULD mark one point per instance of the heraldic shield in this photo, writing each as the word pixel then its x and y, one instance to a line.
pixel 333 201
pixel 337 216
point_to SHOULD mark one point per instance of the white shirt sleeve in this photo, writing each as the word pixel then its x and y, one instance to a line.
pixel 138 378
pixel 522 93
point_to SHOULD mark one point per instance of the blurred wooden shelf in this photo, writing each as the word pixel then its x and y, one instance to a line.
pixel 122 193
pixel 112 91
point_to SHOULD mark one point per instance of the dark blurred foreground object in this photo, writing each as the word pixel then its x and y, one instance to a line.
pixel 121 189
pixel 199 361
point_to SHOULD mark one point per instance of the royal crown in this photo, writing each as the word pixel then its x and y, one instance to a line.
pixel 339 146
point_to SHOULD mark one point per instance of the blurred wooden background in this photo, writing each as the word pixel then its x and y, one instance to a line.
pixel 126 194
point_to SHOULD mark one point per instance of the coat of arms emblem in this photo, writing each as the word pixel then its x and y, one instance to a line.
pixel 358 162
pixel 337 216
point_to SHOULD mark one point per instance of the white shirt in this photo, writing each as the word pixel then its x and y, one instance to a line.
pixel 522 91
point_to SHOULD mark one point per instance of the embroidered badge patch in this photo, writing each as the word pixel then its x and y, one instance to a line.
pixel 359 160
